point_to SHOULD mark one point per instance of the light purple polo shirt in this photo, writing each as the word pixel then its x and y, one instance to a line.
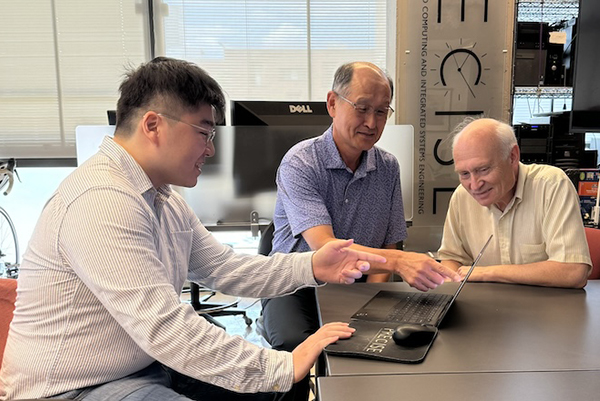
pixel 315 187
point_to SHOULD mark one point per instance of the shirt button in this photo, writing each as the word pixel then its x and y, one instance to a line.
pixel 346 201
pixel 276 387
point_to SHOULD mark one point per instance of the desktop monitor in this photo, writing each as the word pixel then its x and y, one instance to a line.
pixel 585 115
pixel 88 139
pixel 112 117
pixel 258 152
pixel 279 113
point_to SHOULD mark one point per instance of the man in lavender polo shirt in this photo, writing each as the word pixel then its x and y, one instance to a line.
pixel 339 185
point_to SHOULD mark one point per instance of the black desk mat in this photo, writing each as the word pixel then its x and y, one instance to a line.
pixel 373 340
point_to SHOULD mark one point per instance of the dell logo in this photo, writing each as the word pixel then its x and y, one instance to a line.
pixel 305 108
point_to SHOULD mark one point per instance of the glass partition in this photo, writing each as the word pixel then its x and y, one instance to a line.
pixel 239 182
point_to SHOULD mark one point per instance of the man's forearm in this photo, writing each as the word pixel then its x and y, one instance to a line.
pixel 546 274
pixel 454 265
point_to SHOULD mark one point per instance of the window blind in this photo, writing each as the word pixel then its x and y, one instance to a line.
pixel 62 62
pixel 273 50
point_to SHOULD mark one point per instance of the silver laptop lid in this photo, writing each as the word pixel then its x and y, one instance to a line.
pixel 464 280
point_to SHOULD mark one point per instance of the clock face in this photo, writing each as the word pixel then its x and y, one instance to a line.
pixel 461 73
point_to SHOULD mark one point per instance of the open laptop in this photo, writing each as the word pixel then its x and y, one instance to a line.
pixel 412 307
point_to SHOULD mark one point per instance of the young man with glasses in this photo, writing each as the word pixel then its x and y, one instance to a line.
pixel 98 313
pixel 339 185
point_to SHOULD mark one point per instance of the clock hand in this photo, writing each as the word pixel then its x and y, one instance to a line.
pixel 467 56
pixel 466 82
pixel 454 57
pixel 463 63
pixel 459 69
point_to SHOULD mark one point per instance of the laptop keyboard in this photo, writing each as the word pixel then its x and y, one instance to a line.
pixel 419 307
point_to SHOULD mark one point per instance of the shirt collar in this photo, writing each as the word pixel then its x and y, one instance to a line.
pixel 520 186
pixel 137 176
pixel 334 158
pixel 521 177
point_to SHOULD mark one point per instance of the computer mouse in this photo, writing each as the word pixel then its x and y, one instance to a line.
pixel 413 335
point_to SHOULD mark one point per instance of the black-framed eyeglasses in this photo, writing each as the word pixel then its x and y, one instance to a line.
pixel 362 109
pixel 207 132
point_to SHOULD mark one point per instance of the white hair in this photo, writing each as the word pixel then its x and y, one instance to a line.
pixel 504 133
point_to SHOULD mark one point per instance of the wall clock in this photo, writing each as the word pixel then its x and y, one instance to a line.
pixel 461 74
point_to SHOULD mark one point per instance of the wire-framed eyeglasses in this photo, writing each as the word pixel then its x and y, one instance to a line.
pixel 362 109
pixel 209 133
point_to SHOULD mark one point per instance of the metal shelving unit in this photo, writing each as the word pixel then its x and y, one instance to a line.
pixel 550 11
pixel 543 92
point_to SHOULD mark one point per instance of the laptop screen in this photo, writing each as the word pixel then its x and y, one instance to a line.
pixel 464 280
pixel 412 306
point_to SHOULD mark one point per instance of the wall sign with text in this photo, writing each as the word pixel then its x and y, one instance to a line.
pixel 454 61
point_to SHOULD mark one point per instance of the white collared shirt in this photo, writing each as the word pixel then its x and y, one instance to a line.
pixel 99 289
pixel 542 222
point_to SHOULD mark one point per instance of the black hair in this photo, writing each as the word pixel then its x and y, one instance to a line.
pixel 167 85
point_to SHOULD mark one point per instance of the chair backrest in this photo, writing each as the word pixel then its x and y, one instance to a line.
pixel 265 244
pixel 8 295
pixel 593 240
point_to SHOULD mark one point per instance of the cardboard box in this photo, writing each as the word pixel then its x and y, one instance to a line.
pixel 588 188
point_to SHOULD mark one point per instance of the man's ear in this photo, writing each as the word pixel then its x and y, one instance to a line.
pixel 515 154
pixel 331 103
pixel 150 125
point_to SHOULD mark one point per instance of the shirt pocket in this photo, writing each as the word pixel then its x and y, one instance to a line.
pixel 181 248
pixel 531 253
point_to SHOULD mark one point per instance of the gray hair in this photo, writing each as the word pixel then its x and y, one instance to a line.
pixel 503 132
pixel 343 77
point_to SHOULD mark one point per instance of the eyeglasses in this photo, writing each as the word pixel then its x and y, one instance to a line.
pixel 208 133
pixel 361 109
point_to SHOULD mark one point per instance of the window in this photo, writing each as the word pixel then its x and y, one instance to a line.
pixel 62 62
pixel 29 196
pixel 274 50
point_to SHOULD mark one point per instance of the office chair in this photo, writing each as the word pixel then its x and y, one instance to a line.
pixel 265 243
pixel 264 248
pixel 210 310
pixel 593 240
pixel 8 295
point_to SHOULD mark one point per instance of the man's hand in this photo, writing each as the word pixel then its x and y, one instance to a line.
pixel 335 262
pixel 308 351
pixel 422 272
